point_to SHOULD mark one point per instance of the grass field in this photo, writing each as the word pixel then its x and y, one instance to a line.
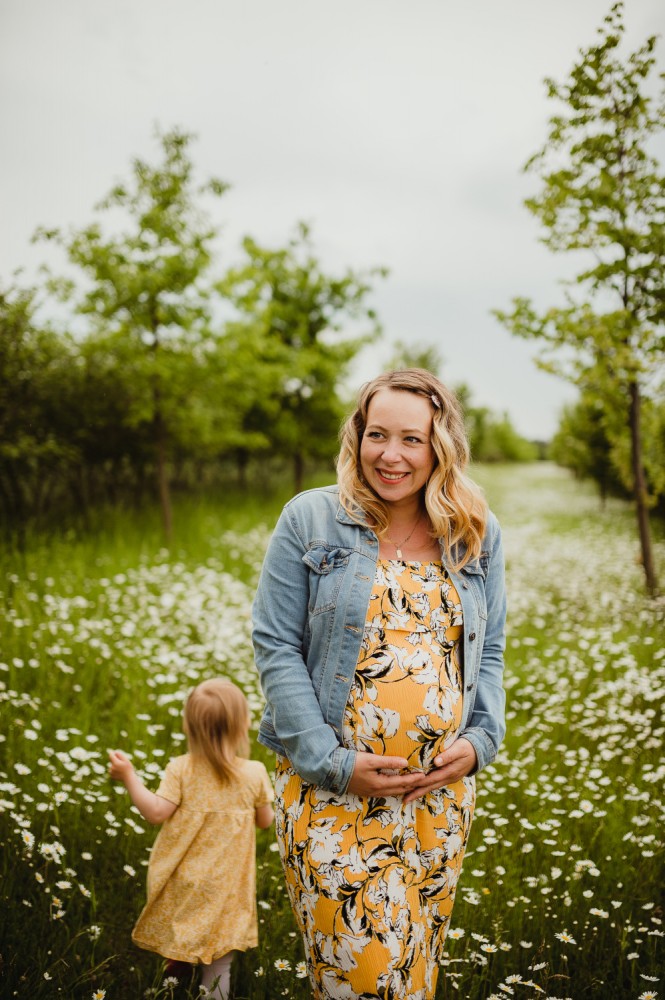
pixel 102 635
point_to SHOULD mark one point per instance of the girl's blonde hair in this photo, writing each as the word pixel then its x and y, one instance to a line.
pixel 216 720
pixel 456 506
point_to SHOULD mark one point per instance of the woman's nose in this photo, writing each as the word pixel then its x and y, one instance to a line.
pixel 391 451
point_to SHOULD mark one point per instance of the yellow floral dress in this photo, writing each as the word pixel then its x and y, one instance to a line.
pixel 202 872
pixel 372 881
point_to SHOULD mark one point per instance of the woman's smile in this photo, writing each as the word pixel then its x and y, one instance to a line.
pixel 392 477
pixel 395 452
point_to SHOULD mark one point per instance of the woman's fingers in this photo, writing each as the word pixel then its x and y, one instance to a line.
pixel 454 763
pixel 374 774
pixel 387 763
pixel 427 783
pixel 395 784
pixel 460 752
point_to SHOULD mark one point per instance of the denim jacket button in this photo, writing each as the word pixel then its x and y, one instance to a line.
pixel 469 687
pixel 472 636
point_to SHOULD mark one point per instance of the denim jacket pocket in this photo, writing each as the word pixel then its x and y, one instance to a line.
pixel 327 565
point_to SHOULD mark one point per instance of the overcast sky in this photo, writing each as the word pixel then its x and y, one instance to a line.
pixel 396 128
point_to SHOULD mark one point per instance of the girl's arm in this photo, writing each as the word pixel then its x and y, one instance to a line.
pixel 153 808
pixel 263 816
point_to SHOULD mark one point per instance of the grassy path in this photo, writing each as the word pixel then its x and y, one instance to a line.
pixel 102 636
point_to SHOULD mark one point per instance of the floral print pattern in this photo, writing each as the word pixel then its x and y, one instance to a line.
pixel 202 873
pixel 372 881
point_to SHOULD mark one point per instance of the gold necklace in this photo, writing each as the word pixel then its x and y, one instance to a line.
pixel 398 547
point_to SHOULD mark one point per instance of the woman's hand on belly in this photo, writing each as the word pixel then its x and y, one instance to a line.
pixel 454 763
pixel 369 778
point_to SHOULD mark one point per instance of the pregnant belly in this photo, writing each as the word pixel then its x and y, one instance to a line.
pixel 403 715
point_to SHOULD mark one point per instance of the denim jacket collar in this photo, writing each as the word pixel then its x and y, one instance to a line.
pixel 344 517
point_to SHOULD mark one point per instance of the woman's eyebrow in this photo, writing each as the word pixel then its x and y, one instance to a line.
pixel 405 430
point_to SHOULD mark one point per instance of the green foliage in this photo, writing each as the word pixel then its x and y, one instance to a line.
pixel 603 193
pixel 146 279
pixel 147 304
pixel 294 320
pixel 155 388
pixel 492 438
pixel 37 370
pixel 582 443
pixel 425 356
pixel 593 443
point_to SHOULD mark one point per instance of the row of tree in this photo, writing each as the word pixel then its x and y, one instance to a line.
pixel 176 374
pixel 173 369
pixel 593 440
pixel 603 200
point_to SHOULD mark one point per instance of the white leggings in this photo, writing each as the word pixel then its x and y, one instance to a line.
pixel 219 970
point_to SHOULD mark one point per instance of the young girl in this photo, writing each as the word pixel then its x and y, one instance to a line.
pixel 201 878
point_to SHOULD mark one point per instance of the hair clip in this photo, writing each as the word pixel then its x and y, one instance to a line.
pixel 435 400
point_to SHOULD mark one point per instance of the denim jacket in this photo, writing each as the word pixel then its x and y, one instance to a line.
pixel 308 621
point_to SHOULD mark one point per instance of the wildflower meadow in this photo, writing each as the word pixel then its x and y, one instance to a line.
pixel 104 633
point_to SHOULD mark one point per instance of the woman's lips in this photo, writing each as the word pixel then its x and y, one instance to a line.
pixel 391 477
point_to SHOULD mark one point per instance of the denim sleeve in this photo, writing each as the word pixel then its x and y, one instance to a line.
pixel 280 621
pixel 487 726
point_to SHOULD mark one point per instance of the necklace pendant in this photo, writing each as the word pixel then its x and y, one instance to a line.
pixel 399 553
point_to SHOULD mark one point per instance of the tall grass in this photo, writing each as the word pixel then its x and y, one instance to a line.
pixel 104 631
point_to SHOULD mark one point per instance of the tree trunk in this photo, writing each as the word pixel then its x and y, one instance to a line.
pixel 19 507
pixel 640 489
pixel 160 439
pixel 242 461
pixel 163 479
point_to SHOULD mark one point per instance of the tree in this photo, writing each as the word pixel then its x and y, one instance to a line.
pixel 492 438
pixel 425 356
pixel 295 320
pixel 36 375
pixel 583 444
pixel 593 441
pixel 603 194
pixel 147 305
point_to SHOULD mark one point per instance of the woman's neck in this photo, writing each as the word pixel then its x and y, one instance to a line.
pixel 408 536
pixel 404 515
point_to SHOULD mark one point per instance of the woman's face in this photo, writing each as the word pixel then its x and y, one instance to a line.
pixel 396 455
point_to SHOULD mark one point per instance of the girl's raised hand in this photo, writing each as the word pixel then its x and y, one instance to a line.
pixel 121 766
pixel 152 807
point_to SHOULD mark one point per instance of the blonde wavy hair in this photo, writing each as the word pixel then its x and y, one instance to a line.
pixel 456 506
pixel 216 720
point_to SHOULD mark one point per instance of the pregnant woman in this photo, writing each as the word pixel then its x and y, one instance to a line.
pixel 379 636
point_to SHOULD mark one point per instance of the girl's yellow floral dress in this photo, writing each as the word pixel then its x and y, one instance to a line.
pixel 372 881
pixel 202 872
